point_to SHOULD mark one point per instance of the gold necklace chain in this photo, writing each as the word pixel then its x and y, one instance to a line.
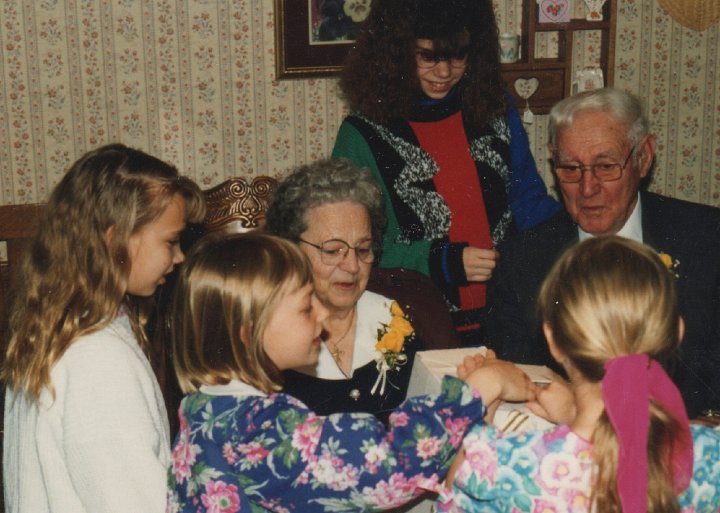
pixel 335 351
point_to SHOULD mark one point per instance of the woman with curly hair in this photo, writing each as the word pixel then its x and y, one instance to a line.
pixel 432 120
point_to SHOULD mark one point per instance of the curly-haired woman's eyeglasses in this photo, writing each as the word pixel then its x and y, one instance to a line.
pixel 428 59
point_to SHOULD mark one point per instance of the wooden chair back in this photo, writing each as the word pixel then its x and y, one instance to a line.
pixel 238 205
pixel 18 224
pixel 423 303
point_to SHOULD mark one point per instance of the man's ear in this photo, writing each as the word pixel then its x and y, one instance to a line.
pixel 555 351
pixel 646 154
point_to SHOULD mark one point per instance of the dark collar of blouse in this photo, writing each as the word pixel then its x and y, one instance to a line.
pixel 428 109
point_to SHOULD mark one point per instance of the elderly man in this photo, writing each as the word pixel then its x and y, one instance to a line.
pixel 601 151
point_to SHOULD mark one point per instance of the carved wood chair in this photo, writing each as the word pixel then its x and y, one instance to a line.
pixel 18 224
pixel 237 205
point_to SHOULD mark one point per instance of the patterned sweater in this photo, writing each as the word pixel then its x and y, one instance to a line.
pixel 419 219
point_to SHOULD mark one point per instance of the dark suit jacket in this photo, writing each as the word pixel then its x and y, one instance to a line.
pixel 688 232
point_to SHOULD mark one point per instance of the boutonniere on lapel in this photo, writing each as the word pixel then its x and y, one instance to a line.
pixel 671 263
pixel 390 346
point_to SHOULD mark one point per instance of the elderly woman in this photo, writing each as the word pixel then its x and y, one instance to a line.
pixel 334 211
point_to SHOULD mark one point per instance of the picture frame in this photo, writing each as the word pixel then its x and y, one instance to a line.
pixel 299 50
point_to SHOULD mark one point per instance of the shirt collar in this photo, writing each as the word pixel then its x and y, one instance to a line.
pixel 631 230
pixel 372 311
pixel 234 387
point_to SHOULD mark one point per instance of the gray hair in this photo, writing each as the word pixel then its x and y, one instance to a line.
pixel 321 183
pixel 623 106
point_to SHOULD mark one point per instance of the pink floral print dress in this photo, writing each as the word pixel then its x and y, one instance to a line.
pixel 256 452
pixel 551 471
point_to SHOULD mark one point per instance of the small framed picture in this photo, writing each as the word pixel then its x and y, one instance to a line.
pixel 312 37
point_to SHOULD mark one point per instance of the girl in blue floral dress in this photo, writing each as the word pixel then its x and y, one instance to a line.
pixel 244 310
pixel 610 314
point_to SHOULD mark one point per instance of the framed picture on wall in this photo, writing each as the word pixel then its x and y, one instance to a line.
pixel 312 37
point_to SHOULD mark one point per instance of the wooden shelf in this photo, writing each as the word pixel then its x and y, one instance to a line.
pixel 555 74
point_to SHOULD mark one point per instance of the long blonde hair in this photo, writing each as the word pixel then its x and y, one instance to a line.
pixel 228 286
pixel 74 278
pixel 606 297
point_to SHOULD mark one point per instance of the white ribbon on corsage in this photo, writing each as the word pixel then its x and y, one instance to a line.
pixel 383 367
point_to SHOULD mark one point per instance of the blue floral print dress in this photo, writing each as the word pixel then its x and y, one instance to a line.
pixel 241 450
pixel 551 471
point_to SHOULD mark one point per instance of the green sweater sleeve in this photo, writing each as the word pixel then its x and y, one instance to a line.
pixel 352 145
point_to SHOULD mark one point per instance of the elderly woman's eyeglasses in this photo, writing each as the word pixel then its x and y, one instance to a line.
pixel 603 171
pixel 428 59
pixel 334 251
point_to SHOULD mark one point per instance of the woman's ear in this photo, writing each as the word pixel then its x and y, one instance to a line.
pixel 557 355
pixel 109 235
pixel 244 337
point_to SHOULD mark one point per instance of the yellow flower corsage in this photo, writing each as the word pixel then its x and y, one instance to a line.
pixel 670 263
pixel 390 346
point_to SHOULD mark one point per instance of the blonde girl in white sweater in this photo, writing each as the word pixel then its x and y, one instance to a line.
pixel 85 425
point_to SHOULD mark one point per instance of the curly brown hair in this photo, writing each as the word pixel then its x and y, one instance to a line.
pixel 379 78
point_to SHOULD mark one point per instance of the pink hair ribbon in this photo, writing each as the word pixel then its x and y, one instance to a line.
pixel 629 383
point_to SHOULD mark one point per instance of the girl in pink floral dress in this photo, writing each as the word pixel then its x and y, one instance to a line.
pixel 610 314
pixel 243 311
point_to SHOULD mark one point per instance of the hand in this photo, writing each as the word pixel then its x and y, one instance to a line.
pixel 498 379
pixel 555 402
pixel 471 363
pixel 479 263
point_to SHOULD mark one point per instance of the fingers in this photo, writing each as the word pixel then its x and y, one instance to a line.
pixel 498 379
pixel 479 263
pixel 555 402
pixel 469 364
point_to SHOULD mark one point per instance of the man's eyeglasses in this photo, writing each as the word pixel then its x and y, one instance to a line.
pixel 429 59
pixel 334 251
pixel 603 171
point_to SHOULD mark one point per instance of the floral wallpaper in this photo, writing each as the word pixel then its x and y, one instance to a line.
pixel 192 81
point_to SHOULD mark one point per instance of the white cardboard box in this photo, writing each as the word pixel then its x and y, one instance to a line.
pixel 430 367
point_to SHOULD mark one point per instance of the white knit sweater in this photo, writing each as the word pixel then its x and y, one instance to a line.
pixel 103 443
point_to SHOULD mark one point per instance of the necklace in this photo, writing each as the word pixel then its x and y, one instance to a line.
pixel 335 351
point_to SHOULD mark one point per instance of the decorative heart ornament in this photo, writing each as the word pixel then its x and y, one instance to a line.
pixel 694 14
pixel 594 10
pixel 553 11
pixel 526 87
